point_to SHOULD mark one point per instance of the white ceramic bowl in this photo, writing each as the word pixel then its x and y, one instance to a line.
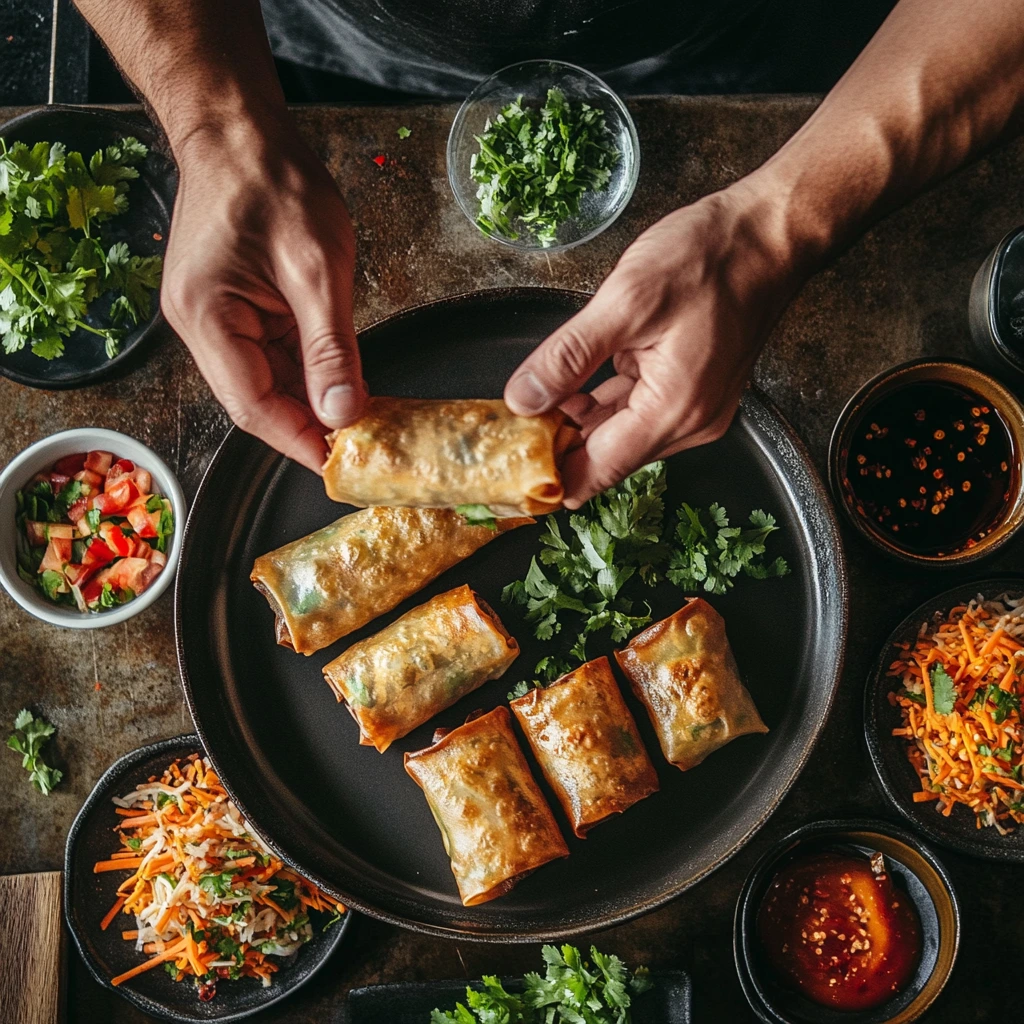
pixel 41 456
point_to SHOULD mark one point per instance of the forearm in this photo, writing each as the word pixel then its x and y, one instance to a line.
pixel 941 80
pixel 204 66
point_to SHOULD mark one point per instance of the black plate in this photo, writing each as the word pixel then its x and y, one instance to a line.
pixel 150 200
pixel 411 1002
pixel 88 897
pixel 351 817
pixel 896 775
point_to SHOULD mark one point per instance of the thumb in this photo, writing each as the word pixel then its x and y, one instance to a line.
pixel 330 358
pixel 564 361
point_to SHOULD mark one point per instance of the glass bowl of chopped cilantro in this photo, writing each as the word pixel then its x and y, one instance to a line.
pixel 543 156
pixel 90 528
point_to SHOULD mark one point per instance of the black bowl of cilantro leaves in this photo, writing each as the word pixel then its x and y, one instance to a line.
pixel 85 209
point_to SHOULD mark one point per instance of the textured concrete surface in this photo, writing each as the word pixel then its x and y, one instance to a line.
pixel 898 293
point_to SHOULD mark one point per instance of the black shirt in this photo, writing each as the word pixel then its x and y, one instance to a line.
pixel 443 47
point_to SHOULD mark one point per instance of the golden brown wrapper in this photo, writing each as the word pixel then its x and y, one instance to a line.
pixel 587 744
pixel 683 670
pixel 428 453
pixel 422 663
pixel 494 821
pixel 333 581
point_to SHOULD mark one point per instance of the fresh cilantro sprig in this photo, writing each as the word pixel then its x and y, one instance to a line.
pixel 572 991
pixel 710 553
pixel 53 261
pixel 614 539
pixel 28 738
pixel 534 165
pixel 943 690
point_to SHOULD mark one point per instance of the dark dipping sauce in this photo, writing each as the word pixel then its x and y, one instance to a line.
pixel 837 930
pixel 931 467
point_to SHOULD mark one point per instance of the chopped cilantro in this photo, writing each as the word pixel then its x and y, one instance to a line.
pixel 134 844
pixel 404 133
pixel 535 164
pixel 218 884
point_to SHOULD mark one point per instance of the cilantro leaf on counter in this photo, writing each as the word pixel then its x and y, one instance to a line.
pixel 711 553
pixel 404 133
pixel 943 690
pixel 28 738
pixel 534 165
pixel 53 264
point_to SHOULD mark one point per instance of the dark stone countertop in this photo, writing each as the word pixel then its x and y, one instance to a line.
pixel 900 292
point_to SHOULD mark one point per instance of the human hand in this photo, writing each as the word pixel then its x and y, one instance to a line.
pixel 683 317
pixel 258 284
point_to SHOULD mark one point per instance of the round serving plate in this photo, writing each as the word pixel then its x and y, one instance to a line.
pixel 350 818
pixel 144 227
pixel 895 774
pixel 88 897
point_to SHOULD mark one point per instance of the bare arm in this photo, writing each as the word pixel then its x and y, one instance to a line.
pixel 689 305
pixel 258 274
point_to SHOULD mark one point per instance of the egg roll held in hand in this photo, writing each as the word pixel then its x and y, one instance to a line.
pixel 425 453
pixel 683 670
pixel 421 664
pixel 495 823
pixel 324 586
pixel 587 744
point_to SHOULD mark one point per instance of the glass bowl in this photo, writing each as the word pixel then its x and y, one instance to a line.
pixel 531 80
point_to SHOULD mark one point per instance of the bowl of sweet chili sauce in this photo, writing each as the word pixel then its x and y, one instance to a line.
pixel 925 461
pixel 853 922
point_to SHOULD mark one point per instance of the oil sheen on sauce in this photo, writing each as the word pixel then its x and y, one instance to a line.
pixel 835 928
pixel 931 467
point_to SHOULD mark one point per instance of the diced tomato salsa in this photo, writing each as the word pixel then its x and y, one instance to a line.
pixel 92 532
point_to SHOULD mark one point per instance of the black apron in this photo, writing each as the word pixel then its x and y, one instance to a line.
pixel 444 47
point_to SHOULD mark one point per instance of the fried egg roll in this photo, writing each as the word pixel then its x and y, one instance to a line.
pixel 494 820
pixel 424 453
pixel 683 670
pixel 324 586
pixel 421 664
pixel 587 744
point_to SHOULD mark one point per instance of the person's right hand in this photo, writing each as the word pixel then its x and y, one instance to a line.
pixel 258 284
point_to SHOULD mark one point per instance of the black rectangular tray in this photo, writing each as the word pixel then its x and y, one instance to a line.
pixel 411 1002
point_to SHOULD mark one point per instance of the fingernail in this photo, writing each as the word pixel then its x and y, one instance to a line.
pixel 528 392
pixel 337 405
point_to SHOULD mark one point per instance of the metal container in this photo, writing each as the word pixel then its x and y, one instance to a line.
pixel 996 310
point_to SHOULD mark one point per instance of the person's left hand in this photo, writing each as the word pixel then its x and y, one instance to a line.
pixel 683 317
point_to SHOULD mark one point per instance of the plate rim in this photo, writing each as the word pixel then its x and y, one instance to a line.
pixel 889 785
pixel 772 425
pixel 124 359
pixel 123 765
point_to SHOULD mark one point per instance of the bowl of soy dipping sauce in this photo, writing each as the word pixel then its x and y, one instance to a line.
pixel 925 461
pixel 846 923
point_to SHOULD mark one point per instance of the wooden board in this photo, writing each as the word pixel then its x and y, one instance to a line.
pixel 31 979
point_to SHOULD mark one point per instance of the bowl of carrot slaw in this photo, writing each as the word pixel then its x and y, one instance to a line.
pixel 943 718
pixel 177 904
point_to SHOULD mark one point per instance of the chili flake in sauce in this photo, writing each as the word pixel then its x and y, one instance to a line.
pixel 837 930
pixel 930 466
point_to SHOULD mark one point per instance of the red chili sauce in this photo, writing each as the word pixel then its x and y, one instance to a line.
pixel 836 929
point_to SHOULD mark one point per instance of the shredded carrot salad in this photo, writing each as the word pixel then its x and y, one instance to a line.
pixel 960 705
pixel 210 900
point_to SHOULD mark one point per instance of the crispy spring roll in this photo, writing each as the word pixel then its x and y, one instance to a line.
pixel 587 745
pixel 324 586
pixel 683 670
pixel 494 820
pixel 424 453
pixel 421 664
